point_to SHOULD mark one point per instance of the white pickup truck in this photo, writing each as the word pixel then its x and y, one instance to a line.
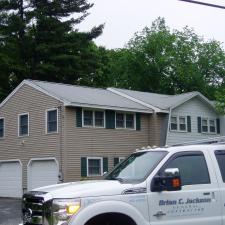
pixel 183 185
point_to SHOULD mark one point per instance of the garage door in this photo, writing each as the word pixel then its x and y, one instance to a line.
pixel 42 173
pixel 10 179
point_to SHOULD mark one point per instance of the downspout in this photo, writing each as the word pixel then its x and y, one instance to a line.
pixel 168 127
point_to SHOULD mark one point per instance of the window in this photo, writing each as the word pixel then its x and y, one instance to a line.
pixel 88 118
pixel 205 125
pixel 93 118
pixel 2 127
pixel 94 167
pixel 52 120
pixel 193 169
pixel 220 156
pixel 212 126
pixel 178 123
pixel 99 119
pixel 125 120
pixel 120 121
pixel 173 123
pixel 23 125
pixel 208 125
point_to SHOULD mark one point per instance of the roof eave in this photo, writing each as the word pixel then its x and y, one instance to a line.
pixel 106 107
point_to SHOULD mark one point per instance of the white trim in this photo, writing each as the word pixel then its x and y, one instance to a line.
pixel 101 164
pixel 93 118
pixel 35 160
pixel 18 125
pixel 31 84
pixel 12 160
pixel 168 127
pixel 125 119
pixel 46 120
pixel 121 159
pixel 1 138
pixel 155 109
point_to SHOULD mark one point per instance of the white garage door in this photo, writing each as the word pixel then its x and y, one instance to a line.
pixel 42 173
pixel 10 179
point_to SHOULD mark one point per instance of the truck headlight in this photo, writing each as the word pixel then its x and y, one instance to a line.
pixel 64 209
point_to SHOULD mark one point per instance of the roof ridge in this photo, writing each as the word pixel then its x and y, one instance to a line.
pixel 63 84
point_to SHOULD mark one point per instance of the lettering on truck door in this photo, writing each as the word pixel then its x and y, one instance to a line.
pixel 198 203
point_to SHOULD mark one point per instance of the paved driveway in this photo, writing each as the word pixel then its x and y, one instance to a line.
pixel 10 211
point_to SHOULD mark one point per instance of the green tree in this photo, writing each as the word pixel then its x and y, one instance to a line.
pixel 171 62
pixel 39 40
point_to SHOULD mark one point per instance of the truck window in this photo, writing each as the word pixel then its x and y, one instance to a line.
pixel 220 156
pixel 193 169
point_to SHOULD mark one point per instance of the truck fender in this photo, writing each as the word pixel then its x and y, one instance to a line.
pixel 99 208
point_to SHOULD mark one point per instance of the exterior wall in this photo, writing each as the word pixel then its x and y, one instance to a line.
pixel 222 119
pixel 99 142
pixel 194 108
pixel 38 144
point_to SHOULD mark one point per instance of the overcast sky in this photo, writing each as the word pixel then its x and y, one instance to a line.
pixel 123 18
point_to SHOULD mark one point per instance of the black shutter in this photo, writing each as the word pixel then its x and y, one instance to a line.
pixel 105 165
pixel 218 125
pixel 79 117
pixel 110 119
pixel 83 167
pixel 138 121
pixel 199 125
pixel 116 161
pixel 188 123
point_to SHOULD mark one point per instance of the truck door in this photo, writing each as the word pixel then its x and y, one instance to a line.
pixel 198 203
pixel 219 157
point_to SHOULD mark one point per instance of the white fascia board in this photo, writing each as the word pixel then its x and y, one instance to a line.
pixel 27 82
pixel 195 94
pixel 84 105
pixel 155 109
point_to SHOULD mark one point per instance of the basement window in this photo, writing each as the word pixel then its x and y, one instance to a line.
pixel 94 166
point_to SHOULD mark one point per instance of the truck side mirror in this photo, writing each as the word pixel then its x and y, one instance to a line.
pixel 169 181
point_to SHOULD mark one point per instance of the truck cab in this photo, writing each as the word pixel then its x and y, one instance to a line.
pixel 180 185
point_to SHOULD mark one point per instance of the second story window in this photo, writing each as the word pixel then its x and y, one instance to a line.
pixel 23 125
pixel 2 127
pixel 52 121
pixel 93 118
pixel 125 120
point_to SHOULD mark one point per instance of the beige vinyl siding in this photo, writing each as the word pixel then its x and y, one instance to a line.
pixel 38 144
pixel 100 142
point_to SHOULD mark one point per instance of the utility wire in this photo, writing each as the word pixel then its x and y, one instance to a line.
pixel 204 3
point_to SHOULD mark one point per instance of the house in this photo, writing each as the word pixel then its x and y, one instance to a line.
pixel 51 133
pixel 189 116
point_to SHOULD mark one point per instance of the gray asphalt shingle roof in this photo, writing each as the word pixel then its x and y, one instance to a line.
pixel 163 102
pixel 86 96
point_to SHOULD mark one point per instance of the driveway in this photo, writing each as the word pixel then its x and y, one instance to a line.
pixel 10 211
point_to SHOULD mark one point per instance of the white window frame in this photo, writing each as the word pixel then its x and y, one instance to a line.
pixel 208 125
pixel 101 164
pixel 178 124
pixel 3 118
pixel 93 118
pixel 46 120
pixel 28 129
pixel 125 121
pixel 121 159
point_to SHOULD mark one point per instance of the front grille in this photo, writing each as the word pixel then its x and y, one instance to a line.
pixel 33 209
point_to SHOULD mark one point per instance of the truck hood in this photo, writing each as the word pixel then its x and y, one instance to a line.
pixel 88 189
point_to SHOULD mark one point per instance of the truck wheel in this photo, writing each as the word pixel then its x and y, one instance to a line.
pixel 111 219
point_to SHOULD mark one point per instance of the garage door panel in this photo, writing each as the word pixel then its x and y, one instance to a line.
pixel 42 173
pixel 11 179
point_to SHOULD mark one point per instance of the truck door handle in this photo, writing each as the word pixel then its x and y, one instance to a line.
pixel 159 214
pixel 206 193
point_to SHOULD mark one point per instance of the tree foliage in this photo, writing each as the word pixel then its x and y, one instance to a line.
pixel 38 40
pixel 171 62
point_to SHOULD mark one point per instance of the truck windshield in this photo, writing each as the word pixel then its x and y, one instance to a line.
pixel 137 166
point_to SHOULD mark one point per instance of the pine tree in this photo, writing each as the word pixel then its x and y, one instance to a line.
pixel 39 40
